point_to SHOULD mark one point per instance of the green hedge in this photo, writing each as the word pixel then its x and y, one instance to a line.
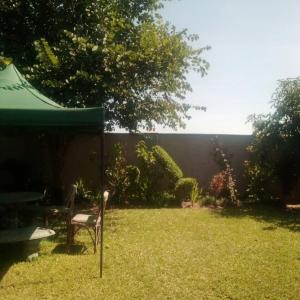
pixel 186 190
pixel 166 162
pixel 158 174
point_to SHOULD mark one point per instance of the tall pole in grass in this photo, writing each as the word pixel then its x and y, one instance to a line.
pixel 102 193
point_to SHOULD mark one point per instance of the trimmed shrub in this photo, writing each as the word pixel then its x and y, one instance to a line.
pixel 186 190
pixel 148 177
pixel 167 164
pixel 159 174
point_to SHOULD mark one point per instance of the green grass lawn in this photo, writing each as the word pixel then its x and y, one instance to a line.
pixel 171 254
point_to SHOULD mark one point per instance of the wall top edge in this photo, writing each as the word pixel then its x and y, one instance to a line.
pixel 182 134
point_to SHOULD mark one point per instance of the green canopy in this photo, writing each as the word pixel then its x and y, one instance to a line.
pixel 21 105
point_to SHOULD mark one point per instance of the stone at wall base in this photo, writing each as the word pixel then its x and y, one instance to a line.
pixel 186 204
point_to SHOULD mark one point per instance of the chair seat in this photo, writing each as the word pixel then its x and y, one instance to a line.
pixel 89 221
pixel 85 219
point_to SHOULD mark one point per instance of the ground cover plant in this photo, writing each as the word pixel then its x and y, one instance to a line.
pixel 171 254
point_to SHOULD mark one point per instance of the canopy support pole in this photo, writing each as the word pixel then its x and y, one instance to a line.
pixel 102 198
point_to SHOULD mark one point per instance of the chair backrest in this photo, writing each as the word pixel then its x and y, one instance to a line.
pixel 105 199
pixel 70 198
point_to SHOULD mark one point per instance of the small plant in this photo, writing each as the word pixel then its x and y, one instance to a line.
pixel 186 190
pixel 83 195
pixel 217 184
pixel 212 201
pixel 209 200
pixel 224 183
pixel 123 180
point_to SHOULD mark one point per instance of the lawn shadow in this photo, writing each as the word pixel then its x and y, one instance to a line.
pixel 74 249
pixel 276 217
pixel 49 282
pixel 111 223
pixel 10 255
pixel 5 266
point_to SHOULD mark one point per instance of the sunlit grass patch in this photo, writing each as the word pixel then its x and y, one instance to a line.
pixel 169 254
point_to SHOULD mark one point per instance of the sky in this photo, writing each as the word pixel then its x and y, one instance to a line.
pixel 254 44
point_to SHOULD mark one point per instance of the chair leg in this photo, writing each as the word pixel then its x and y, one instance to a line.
pixel 97 238
pixel 95 248
pixel 69 237
pixel 70 234
pixel 73 229
pixel 97 235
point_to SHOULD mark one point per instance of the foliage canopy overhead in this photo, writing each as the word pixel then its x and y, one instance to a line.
pixel 119 54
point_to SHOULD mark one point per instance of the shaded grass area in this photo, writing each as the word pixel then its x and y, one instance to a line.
pixel 275 217
pixel 170 254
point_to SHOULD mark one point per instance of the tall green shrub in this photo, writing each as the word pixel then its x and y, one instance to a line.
pixel 148 183
pixel 159 173
pixel 167 165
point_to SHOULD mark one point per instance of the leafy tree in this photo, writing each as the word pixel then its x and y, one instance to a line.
pixel 274 168
pixel 116 53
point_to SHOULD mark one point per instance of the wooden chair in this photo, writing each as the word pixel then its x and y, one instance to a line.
pixel 91 222
pixel 65 210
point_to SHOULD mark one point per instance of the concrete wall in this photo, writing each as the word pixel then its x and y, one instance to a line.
pixel 192 152
pixel 29 162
